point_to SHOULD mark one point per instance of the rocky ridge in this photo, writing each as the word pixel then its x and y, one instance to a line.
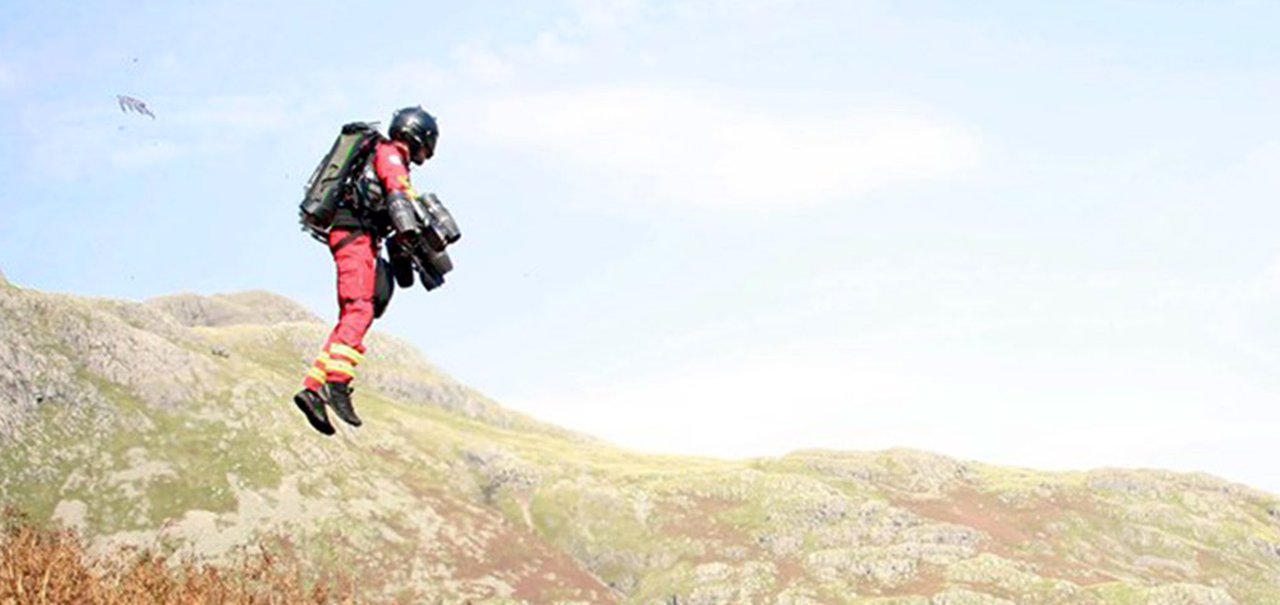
pixel 168 423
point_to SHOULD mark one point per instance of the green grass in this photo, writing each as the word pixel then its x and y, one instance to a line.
pixel 368 483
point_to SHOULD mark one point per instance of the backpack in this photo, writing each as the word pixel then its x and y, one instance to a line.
pixel 332 179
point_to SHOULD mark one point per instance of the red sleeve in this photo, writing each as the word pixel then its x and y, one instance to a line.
pixel 392 165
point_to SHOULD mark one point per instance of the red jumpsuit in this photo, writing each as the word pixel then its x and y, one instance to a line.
pixel 355 250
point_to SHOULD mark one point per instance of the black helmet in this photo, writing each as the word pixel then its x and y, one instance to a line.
pixel 416 128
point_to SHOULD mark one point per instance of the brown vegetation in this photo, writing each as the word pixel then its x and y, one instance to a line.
pixel 52 566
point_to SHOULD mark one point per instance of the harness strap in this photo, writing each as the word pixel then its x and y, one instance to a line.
pixel 342 243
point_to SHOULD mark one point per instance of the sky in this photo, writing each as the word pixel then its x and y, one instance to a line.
pixel 1037 234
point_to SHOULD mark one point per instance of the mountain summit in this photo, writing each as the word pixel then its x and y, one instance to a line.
pixel 168 424
pixel 254 308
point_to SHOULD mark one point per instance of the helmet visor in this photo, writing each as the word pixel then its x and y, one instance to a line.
pixel 429 142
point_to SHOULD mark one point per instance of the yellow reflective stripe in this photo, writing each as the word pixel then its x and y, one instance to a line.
pixel 316 373
pixel 345 351
pixel 342 367
pixel 408 187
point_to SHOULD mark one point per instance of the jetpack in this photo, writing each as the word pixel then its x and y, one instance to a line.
pixel 424 229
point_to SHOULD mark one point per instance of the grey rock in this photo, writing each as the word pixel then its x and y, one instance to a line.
pixel 499 471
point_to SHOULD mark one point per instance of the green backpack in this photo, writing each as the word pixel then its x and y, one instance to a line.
pixel 332 179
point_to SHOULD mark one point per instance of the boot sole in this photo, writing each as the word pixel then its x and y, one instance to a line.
pixel 353 421
pixel 318 423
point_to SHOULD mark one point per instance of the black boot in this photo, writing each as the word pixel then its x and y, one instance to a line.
pixel 339 397
pixel 312 406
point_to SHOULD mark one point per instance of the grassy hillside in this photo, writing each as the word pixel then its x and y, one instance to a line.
pixel 168 425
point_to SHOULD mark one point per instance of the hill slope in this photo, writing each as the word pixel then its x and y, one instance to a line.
pixel 169 423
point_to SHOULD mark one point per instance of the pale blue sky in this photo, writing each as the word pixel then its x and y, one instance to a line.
pixel 1030 233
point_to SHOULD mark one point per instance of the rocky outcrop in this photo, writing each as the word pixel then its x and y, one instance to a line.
pixel 40 368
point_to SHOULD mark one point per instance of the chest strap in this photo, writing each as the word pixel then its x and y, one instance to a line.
pixel 342 243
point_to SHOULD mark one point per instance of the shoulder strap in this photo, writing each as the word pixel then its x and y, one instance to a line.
pixel 342 243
